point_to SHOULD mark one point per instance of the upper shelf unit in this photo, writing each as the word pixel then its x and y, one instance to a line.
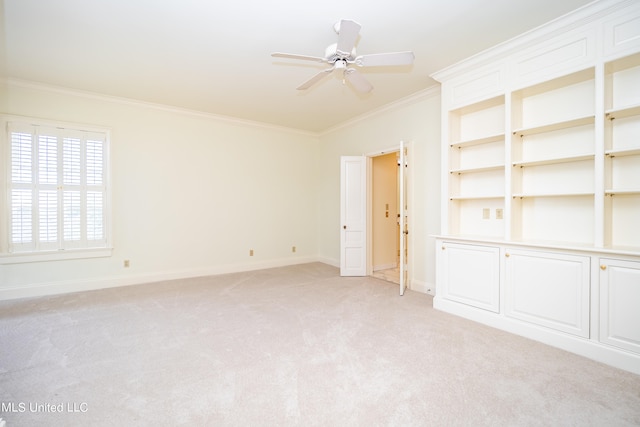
pixel 478 123
pixel 553 154
pixel 476 164
pixel 561 103
pixel 622 152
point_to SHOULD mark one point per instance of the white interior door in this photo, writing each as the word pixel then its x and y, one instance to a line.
pixel 353 216
pixel 404 230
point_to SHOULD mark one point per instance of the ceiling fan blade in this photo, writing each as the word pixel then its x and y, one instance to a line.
pixel 295 56
pixel 347 36
pixel 315 79
pixel 357 80
pixel 383 59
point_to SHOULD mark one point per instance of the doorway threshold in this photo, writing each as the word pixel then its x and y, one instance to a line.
pixel 390 275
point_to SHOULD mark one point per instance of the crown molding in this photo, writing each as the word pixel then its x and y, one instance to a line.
pixel 581 16
pixel 27 84
pixel 403 102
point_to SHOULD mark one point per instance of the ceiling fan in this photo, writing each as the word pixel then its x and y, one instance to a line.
pixel 342 55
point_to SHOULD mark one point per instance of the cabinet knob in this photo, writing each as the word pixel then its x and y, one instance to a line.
pixel 443 248
pixel 603 267
pixel 507 255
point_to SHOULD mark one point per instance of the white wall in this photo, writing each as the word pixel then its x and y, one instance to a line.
pixel 191 194
pixel 416 120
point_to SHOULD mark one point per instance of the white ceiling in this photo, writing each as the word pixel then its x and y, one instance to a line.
pixel 214 56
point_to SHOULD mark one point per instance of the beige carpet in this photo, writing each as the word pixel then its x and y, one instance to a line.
pixel 287 346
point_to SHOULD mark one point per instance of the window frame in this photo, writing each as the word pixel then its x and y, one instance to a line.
pixel 39 255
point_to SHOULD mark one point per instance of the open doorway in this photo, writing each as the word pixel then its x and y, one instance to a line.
pixel 356 215
pixel 385 217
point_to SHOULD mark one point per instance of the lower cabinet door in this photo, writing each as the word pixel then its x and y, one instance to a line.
pixel 548 289
pixel 620 303
pixel 471 275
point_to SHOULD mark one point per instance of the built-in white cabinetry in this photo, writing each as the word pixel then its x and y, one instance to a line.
pixel 619 296
pixel 478 283
pixel 541 185
pixel 549 289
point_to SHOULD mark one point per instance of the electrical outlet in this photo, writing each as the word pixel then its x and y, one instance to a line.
pixel 499 213
pixel 250 252
pixel 486 213
pixel 126 263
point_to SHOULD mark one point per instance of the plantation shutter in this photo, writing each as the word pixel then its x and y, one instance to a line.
pixel 58 192
pixel 22 190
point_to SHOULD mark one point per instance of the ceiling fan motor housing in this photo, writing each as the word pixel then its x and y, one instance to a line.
pixel 331 54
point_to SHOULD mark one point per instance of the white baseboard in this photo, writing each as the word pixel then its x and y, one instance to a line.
pixel 68 286
pixel 424 287
pixel 329 261
pixel 62 287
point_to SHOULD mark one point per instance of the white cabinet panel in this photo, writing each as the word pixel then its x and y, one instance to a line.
pixel 620 303
pixel 622 33
pixel 548 289
pixel 474 87
pixel 470 274
pixel 556 57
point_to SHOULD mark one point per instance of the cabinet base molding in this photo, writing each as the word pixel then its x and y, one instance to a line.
pixel 583 347
pixel 583 301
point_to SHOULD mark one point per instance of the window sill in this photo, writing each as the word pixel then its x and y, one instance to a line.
pixel 25 257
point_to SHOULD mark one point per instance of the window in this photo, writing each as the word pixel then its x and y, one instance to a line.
pixel 57 192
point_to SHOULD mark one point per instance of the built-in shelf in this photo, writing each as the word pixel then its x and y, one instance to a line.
pixel 621 249
pixel 476 197
pixel 478 141
pixel 620 113
pixel 478 169
pixel 622 153
pixel 565 124
pixel 556 160
pixel 540 195
pixel 621 192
